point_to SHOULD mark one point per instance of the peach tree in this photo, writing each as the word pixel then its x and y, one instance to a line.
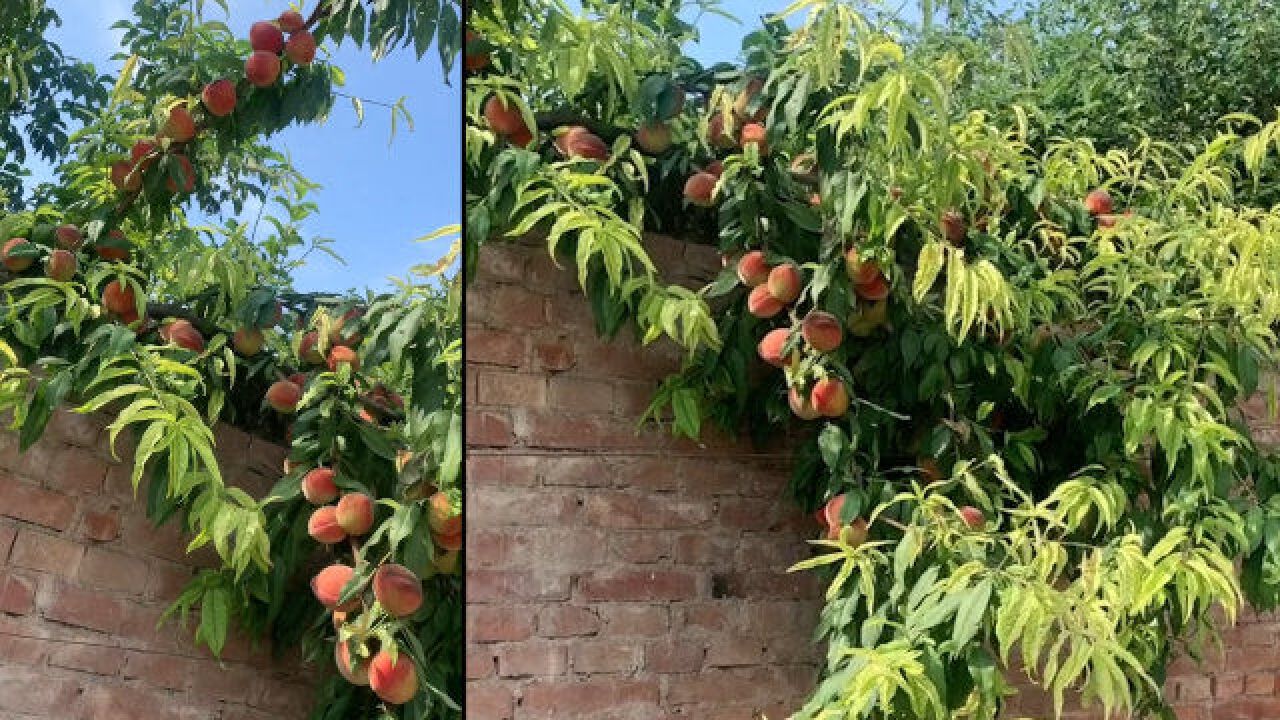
pixel 1013 362
pixel 132 286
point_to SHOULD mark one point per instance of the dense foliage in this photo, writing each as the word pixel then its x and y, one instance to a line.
pixel 113 300
pixel 1015 354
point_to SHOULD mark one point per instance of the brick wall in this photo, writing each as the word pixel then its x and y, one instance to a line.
pixel 84 578
pixel 614 574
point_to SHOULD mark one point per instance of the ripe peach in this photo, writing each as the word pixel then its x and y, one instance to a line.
pixel 345 330
pixel 118 297
pixel 291 21
pixel 771 345
pixel 357 674
pixel 954 227
pixel 61 265
pixel 123 177
pixel 395 681
pixel 752 268
pixel 180 127
pixel 749 92
pixel 318 486
pixel 308 349
pixel 785 283
pixel 875 290
pixel 504 119
pixel 654 138
pixel 829 397
pixel 340 354
pixel 183 334
pixel 800 405
pixel 1098 202
pixel 301 48
pixel 265 36
pixel 323 526
pixel 327 587
pixel 248 341
pixel 715 167
pixel 115 246
pixel 579 142
pixel 143 153
pixel 859 271
pixel 448 542
pixel 761 304
pixel 219 97
pixel 754 133
pixel 476 60
pixel 822 331
pixel 521 138
pixel 299 379
pixel 17 263
pixel 699 188
pixel 441 517
pixel 717 136
pixel 972 517
pixel 186 172
pixel 355 513
pixel 262 69
pixel 397 589
pixel 68 237
pixel 283 396
pixel 829 515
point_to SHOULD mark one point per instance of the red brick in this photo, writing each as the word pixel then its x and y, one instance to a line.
pixel 503 623
pixel 96 659
pixel 502 262
pixel 674 655
pixel 729 651
pixel 36 692
pixel 634 619
pixel 35 505
pixel 554 356
pixel 581 395
pixel 704 549
pixel 1257 684
pixel 101 526
pixel 541 548
pixel 7 534
pixel 639 547
pixel 76 470
pixel 47 553
pixel 592 698
pixel 18 650
pixel 85 608
pixel 710 616
pixel 624 585
pixel 488 428
pixel 721 686
pixel 605 656
pixel 495 347
pixel 532 659
pixel 113 570
pixel 488 586
pixel 577 472
pixel 556 621
pixel 489 701
pixel 158 670
pixel 481 662
pixel 118 702
pixel 225 683
pixel 17 594
pixel 498 507
pixel 504 388
pixel 165 580
pixel 76 428
pixel 1247 708
pixel 620 509
pixel 511 306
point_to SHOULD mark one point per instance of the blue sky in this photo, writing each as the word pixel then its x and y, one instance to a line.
pixel 376 198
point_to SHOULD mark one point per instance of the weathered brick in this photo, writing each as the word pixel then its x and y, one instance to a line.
pixel 505 623
pixel 605 656
pixel 623 509
pixel 556 621
pixel 157 670
pixel 33 504
pixel 495 347
pixel 47 553
pixel 591 698
pixel 506 388
pixel 674 655
pixel 540 658
pixel 17 594
pixel 101 526
pixel 488 428
pixel 75 470
pixel 490 701
pixel 633 585
pixel 36 693
pixel 113 570
pixel 91 609
pixel 95 659
pixel 554 355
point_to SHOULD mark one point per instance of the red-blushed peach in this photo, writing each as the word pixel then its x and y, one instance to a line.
pixel 785 283
pixel 859 271
pixel 327 587
pixel 179 126
pixel 355 513
pixel 972 517
pixel 761 304
pixel 822 331
pixel 68 237
pixel 440 515
pixel 446 563
pixel 318 486
pixel 699 188
pixel 503 118
pixel 397 589
pixel 248 341
pixel 219 97
pixel 521 138
pixel 309 349
pixel 954 227
pixel 13 260
pixel 283 396
pixel 183 334
pixel 753 269
pixel 186 172
pixel 654 138
pixel 61 265
pixel 829 397
pixel 448 542
pixel 874 290
pixel 118 297
pixel 1098 202
pixel 301 48
pixel 124 178
pixel 323 526
pixel 356 674
pixel 580 142
pixel 754 134
pixel 299 379
pixel 741 103
pixel 115 246
pixel 262 69
pixel 717 134
pixel 715 167
pixel 265 36
pixel 394 681
pixel 340 355
pixel 800 405
pixel 143 153
pixel 345 330
pixel 291 21
pixel 474 60
pixel 771 345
